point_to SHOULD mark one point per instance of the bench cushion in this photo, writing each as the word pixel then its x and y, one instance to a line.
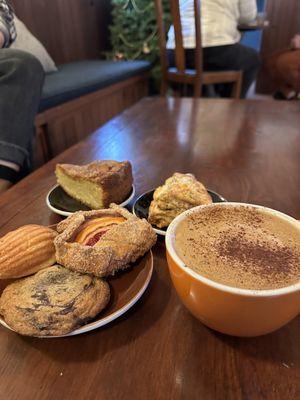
pixel 82 77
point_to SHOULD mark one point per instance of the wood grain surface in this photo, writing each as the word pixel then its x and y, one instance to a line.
pixel 71 30
pixel 246 150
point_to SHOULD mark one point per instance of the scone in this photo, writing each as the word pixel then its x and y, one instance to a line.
pixel 26 250
pixel 179 193
pixel 53 302
pixel 102 242
pixel 97 184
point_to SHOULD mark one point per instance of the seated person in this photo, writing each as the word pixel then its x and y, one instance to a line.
pixel 284 70
pixel 220 38
pixel 21 80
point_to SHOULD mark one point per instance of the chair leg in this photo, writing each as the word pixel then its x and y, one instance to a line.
pixel 197 89
pixel 163 87
pixel 177 92
pixel 237 87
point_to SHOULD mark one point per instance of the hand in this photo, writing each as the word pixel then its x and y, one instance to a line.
pixel 2 40
pixel 295 43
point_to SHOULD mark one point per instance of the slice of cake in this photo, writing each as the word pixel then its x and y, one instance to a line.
pixel 97 184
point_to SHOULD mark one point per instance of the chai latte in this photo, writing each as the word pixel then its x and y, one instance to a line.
pixel 240 246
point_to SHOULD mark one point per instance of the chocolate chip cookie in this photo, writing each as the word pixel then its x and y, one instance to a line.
pixel 53 302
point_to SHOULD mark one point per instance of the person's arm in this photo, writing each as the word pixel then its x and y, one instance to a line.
pixel 7 26
pixel 248 11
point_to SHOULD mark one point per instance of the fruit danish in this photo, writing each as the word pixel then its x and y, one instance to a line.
pixel 102 242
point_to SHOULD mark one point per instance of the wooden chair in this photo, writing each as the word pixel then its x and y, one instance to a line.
pixel 180 74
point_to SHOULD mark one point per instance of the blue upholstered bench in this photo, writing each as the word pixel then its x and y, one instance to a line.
pixel 83 77
pixel 83 95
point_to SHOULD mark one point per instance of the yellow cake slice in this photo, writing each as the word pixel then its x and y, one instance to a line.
pixel 97 184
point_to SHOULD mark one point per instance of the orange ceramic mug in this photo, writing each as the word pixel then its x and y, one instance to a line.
pixel 230 310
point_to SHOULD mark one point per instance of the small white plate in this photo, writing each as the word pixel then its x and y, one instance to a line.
pixel 127 287
pixel 61 203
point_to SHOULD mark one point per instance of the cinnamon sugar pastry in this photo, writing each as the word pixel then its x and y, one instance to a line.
pixel 102 242
pixel 179 193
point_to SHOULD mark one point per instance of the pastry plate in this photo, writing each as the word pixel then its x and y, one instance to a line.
pixel 126 287
pixel 61 203
pixel 142 204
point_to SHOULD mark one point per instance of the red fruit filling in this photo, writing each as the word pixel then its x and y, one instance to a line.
pixel 93 240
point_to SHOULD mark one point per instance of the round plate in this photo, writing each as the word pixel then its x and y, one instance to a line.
pixel 61 203
pixel 126 287
pixel 142 204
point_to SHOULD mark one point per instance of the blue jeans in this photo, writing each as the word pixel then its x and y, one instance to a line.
pixel 21 80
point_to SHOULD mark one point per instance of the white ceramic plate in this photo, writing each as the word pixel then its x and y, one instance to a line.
pixel 61 203
pixel 127 287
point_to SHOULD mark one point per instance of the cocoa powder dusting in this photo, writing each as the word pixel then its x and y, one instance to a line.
pixel 263 259
pixel 240 246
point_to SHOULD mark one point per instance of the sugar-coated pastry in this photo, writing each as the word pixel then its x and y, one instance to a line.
pixel 179 193
pixel 102 242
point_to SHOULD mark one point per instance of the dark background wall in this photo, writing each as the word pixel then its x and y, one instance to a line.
pixel 284 17
pixel 69 29
pixel 78 29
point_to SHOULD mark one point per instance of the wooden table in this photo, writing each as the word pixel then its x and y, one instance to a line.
pixel 246 150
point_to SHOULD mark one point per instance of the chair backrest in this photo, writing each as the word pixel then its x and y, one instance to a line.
pixel 180 61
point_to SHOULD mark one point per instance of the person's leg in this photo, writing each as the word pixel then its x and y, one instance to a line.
pixel 207 91
pixel 21 80
pixel 233 57
pixel 189 58
pixel 177 88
